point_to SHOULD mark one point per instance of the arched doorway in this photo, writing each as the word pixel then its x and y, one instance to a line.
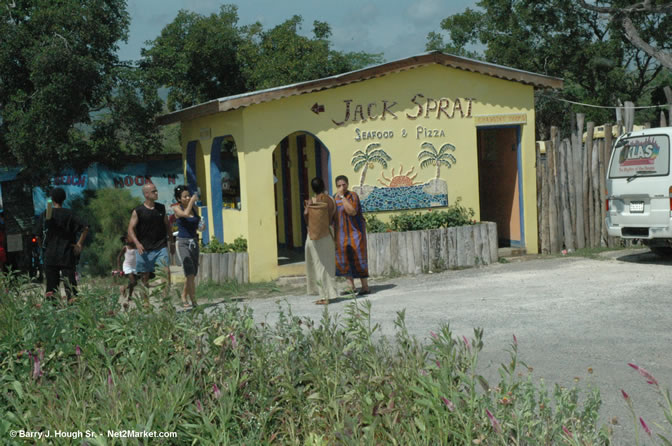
pixel 224 181
pixel 298 158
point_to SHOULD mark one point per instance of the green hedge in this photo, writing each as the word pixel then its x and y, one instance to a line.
pixel 454 215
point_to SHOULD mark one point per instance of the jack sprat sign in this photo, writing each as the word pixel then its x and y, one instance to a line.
pixel 422 106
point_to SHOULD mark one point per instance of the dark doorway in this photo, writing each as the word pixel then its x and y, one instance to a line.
pixel 499 182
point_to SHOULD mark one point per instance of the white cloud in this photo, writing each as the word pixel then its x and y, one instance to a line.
pixel 426 11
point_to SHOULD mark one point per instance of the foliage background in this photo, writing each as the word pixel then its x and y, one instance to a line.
pixel 107 211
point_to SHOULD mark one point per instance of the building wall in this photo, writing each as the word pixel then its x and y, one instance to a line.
pixel 391 111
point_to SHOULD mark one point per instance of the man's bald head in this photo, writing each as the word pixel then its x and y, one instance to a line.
pixel 149 191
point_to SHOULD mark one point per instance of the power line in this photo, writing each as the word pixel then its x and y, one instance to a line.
pixel 602 106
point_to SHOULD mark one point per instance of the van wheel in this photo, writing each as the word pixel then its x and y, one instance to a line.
pixel 661 251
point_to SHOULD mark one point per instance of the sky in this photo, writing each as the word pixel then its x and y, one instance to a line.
pixel 396 28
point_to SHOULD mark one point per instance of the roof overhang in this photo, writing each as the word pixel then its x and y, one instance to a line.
pixel 461 63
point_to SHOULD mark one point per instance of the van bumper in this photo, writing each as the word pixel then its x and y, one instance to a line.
pixel 643 232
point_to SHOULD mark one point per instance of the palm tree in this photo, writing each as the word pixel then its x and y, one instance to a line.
pixel 372 154
pixel 434 158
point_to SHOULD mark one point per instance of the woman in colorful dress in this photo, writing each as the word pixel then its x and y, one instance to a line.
pixel 351 255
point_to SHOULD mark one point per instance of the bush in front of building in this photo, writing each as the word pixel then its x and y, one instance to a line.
pixel 217 377
pixel 107 211
pixel 453 215
pixel 217 247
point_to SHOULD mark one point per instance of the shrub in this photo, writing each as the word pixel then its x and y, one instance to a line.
pixel 453 215
pixel 217 377
pixel 107 211
pixel 217 247
pixel 374 225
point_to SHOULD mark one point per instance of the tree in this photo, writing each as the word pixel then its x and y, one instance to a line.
pixel 372 154
pixel 434 158
pixel 557 38
pixel 201 58
pixel 282 56
pixel 197 57
pixel 644 11
pixel 65 99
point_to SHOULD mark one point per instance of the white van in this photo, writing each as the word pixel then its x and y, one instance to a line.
pixel 639 189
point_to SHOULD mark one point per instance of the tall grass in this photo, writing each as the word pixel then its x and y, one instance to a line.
pixel 219 378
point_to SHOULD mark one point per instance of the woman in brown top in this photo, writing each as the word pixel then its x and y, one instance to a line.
pixel 320 249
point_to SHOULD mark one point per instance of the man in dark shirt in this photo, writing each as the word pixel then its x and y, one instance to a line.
pixel 60 228
pixel 150 230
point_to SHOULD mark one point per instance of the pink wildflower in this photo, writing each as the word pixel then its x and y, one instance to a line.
pixel 232 337
pixel 642 371
pixel 423 372
pixel 37 368
pixel 78 351
pixel 567 432
pixel 626 397
pixel 109 378
pixel 449 404
pixel 515 340
pixel 466 341
pixel 199 408
pixel 494 422
pixel 646 428
pixel 434 335
pixel 216 391
pixel 438 364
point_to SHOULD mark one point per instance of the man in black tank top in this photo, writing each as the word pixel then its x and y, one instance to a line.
pixel 150 230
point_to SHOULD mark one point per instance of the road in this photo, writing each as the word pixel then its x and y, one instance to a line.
pixel 569 314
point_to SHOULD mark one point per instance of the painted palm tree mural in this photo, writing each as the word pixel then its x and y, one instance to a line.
pixel 363 160
pixel 429 156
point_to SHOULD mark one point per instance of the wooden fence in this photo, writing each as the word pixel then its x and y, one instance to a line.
pixel 571 189
pixel 415 252
pixel 220 268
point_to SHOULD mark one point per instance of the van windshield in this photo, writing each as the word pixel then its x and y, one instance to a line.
pixel 642 156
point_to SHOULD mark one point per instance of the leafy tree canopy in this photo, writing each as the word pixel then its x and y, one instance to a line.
pixel 65 100
pixel 560 38
pixel 205 57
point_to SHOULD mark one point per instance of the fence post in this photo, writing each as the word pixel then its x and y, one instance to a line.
pixel 603 191
pixel 545 239
pixel 577 147
pixel 540 185
pixel 595 180
pixel 587 200
pixel 608 145
pixel 552 202
pixel 564 195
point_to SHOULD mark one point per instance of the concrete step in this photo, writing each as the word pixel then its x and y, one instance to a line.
pixel 511 252
pixel 292 280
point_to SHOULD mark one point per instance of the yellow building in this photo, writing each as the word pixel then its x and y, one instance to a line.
pixel 416 133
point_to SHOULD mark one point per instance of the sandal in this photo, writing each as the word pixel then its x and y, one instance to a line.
pixel 185 305
pixel 322 302
pixel 348 292
pixel 363 292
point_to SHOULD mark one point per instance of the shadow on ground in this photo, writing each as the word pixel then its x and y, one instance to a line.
pixel 646 258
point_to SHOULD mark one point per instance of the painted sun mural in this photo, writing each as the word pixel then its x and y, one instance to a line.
pixel 398 189
pixel 401 180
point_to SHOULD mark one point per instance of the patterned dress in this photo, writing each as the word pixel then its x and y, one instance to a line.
pixel 351 256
